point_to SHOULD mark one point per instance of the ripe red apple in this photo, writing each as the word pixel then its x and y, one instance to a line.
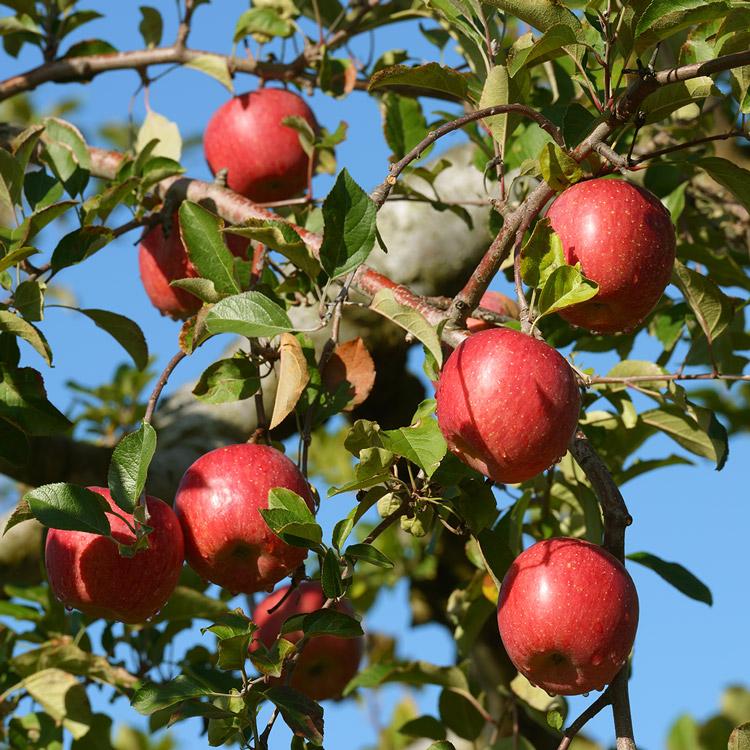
pixel 326 663
pixel 507 404
pixel 265 159
pixel 163 259
pixel 218 503
pixel 495 302
pixel 567 614
pixel 624 240
pixel 87 572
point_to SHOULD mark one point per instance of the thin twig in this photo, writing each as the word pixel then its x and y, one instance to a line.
pixel 604 700
pixel 160 383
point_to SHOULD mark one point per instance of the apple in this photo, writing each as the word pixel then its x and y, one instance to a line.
pixel 163 258
pixel 507 404
pixel 326 663
pixel 218 503
pixel 87 572
pixel 495 302
pixel 567 614
pixel 264 159
pixel 624 240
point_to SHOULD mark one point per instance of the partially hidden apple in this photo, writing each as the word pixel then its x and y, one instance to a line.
pixel 624 240
pixel 567 614
pixel 264 158
pixel 496 302
pixel 507 404
pixel 163 258
pixel 87 572
pixel 326 663
pixel 218 503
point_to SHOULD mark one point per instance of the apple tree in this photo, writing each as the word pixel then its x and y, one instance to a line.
pixel 603 178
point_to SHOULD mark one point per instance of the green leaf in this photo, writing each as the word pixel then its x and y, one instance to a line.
pixel 61 696
pixel 270 661
pixel 369 554
pixel 496 91
pixel 44 216
pixel 66 506
pixel 21 513
pixel 16 256
pixel 228 380
pixel 201 232
pixel 541 255
pixel 330 575
pixel 263 23
pixel 442 745
pixel 404 124
pixel 577 123
pixel 423 726
pixel 325 622
pixel 167 133
pixel 80 244
pixel 729 175
pixel 124 331
pixel 152 697
pixel 67 154
pixel 203 289
pixel 674 573
pixel 301 714
pixel 422 79
pixel 541 14
pixel 151 26
pixel 11 180
pixel 558 169
pixel 23 402
pixel 249 314
pixel 552 40
pixel 704 436
pixel 409 673
pixel 384 303
pixel 564 287
pixel 630 368
pixel 555 720
pixel 17 326
pixel 290 518
pixel 666 11
pixel 373 469
pixel 421 442
pixel 283 238
pixel 14 445
pixel 214 66
pixel 349 227
pixel 713 309
pixel 668 99
pixel 128 468
pixel 460 715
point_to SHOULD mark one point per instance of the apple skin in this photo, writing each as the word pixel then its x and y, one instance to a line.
pixel 507 404
pixel 163 259
pixel 218 501
pixel 495 302
pixel 265 159
pixel 87 572
pixel 326 663
pixel 567 614
pixel 624 240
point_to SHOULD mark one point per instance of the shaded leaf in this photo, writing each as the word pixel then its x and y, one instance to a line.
pixel 228 380
pixel 680 577
pixel 66 506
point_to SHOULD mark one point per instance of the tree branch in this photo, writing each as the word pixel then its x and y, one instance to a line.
pixel 380 194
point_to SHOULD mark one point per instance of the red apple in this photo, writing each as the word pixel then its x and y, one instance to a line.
pixel 218 503
pixel 507 404
pixel 326 663
pixel 495 302
pixel 163 259
pixel 624 240
pixel 265 159
pixel 86 571
pixel 567 613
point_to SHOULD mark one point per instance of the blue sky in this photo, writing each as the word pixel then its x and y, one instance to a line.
pixel 685 653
